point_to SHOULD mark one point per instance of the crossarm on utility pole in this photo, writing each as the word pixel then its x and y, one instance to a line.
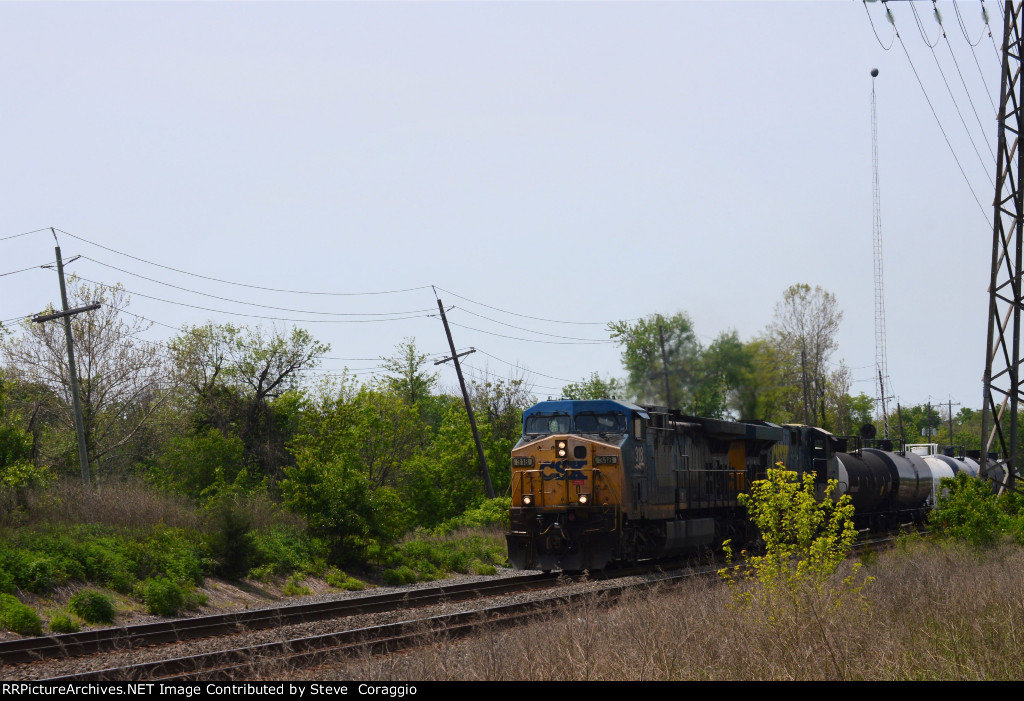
pixel 66 314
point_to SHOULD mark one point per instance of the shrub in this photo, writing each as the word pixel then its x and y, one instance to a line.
pixel 232 543
pixel 969 512
pixel 399 575
pixel 194 599
pixel 162 596
pixel 19 618
pixel 340 580
pixel 283 550
pixel 491 512
pixel 805 539
pixel 92 606
pixel 63 623
pixel 6 581
pixel 480 568
pixel 293 588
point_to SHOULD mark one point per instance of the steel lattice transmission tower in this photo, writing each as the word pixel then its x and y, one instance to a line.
pixel 876 228
pixel 1002 360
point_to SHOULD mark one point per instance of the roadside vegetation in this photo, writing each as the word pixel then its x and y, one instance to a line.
pixel 142 549
pixel 929 609
pixel 934 611
pixel 226 451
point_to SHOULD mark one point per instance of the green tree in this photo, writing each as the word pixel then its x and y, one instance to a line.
pixel 592 387
pixel 17 470
pixel 764 392
pixel 120 376
pixel 245 382
pixel 383 433
pixel 851 413
pixel 500 403
pixel 661 356
pixel 193 463
pixel 667 364
pixel 406 376
pixel 804 328
pixel 445 480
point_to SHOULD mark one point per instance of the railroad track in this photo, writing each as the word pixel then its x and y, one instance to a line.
pixel 130 637
pixel 17 656
pixel 247 661
pixel 243 661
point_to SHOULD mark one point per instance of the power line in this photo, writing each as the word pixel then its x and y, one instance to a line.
pixel 522 367
pixel 255 316
pixel 15 272
pixel 888 13
pixel 34 231
pixel 240 284
pixel 920 27
pixel 531 340
pixel 525 316
pixel 984 166
pixel 986 27
pixel 939 123
pixel 970 101
pixel 483 377
pixel 520 328
pixel 963 25
pixel 254 304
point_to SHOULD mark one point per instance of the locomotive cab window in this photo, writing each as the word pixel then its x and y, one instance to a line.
pixel 639 428
pixel 551 423
pixel 592 422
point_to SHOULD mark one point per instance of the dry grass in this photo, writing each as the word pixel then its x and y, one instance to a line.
pixel 932 612
pixel 128 503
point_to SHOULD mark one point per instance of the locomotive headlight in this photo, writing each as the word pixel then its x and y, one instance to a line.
pixel 584 499
pixel 527 500
pixel 561 448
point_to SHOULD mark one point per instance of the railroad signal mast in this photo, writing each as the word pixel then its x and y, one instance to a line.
pixel 1002 390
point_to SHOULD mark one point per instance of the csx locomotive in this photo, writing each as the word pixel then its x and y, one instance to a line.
pixel 600 481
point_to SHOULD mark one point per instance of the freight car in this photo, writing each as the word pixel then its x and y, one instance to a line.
pixel 601 481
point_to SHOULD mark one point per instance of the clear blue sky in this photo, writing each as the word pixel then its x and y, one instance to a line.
pixel 575 161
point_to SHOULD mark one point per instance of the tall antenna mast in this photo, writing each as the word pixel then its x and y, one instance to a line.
pixel 876 228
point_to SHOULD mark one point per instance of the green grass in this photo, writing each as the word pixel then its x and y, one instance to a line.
pixel 426 557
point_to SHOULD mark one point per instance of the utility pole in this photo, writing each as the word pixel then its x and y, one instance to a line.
pixel 66 314
pixel 664 365
pixel 903 435
pixel 885 414
pixel 949 403
pixel 469 405
pixel 803 379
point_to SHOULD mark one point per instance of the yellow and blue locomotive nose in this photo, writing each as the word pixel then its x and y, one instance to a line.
pixel 563 503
